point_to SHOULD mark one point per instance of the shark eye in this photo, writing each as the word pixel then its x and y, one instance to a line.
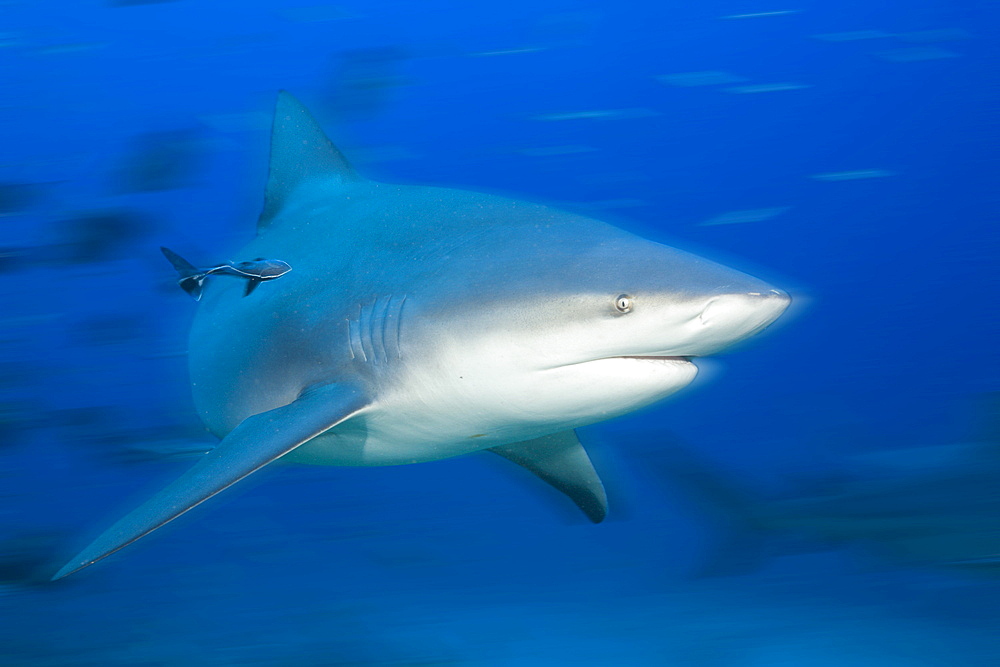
pixel 623 303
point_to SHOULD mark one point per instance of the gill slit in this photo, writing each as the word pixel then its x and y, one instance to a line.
pixel 383 321
pixel 374 335
pixel 365 327
pixel 399 324
pixel 354 331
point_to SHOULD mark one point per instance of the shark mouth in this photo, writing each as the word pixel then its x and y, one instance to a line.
pixel 665 360
pixel 654 358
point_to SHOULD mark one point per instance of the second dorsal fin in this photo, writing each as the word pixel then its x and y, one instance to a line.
pixel 300 151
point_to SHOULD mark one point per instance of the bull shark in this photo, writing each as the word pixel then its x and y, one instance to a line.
pixel 422 323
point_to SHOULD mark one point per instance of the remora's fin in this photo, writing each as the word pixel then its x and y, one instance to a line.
pixel 251 285
pixel 257 441
pixel 561 460
pixel 300 151
pixel 195 286
pixel 190 278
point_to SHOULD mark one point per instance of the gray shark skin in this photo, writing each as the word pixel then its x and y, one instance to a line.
pixel 932 507
pixel 422 323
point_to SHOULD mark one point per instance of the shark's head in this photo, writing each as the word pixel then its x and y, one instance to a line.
pixel 585 326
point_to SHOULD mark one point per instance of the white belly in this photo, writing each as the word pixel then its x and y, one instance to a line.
pixel 434 422
pixel 399 437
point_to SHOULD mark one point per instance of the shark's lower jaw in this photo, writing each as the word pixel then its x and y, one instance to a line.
pixel 612 386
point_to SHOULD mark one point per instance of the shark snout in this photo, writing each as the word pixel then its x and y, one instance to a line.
pixel 726 319
pixel 725 309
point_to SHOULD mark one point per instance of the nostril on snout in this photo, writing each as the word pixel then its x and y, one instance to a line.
pixel 771 294
pixel 780 296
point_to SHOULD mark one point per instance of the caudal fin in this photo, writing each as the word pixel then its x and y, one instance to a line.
pixel 742 539
pixel 190 278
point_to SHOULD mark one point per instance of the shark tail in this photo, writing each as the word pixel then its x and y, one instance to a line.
pixel 742 542
pixel 190 278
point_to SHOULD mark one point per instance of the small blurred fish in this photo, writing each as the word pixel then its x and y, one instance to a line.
pixel 16 418
pixel 25 556
pixel 96 236
pixel 158 161
pixel 362 81
pixel 192 279
pixel 926 506
pixel 15 197
pixel 13 259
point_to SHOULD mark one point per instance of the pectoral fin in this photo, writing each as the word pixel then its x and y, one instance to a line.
pixel 251 286
pixel 561 460
pixel 257 441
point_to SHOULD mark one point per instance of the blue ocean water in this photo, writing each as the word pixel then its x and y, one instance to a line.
pixel 844 151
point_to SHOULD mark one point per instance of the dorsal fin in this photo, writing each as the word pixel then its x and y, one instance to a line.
pixel 300 151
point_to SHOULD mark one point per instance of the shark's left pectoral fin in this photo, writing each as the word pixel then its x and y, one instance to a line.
pixel 257 441
pixel 561 460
